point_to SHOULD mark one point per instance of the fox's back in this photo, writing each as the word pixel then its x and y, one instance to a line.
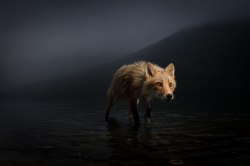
pixel 129 79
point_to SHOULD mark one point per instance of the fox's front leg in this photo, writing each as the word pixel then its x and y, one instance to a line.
pixel 130 111
pixel 133 113
pixel 148 109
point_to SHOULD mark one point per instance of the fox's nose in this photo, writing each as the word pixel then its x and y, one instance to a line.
pixel 169 96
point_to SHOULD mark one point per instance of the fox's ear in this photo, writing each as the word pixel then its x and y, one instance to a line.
pixel 151 70
pixel 170 69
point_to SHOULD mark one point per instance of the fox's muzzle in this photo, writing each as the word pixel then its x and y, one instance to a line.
pixel 168 97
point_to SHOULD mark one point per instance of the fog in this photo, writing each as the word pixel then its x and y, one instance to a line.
pixel 49 39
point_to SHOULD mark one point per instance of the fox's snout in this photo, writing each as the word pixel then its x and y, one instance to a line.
pixel 167 97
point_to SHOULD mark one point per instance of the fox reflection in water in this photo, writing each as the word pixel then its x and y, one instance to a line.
pixel 60 134
pixel 179 137
pixel 132 146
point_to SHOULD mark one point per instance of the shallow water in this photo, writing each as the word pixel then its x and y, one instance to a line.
pixel 68 133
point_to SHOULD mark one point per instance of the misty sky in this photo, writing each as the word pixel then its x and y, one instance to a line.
pixel 35 32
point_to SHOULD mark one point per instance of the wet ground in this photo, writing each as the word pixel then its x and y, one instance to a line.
pixel 68 133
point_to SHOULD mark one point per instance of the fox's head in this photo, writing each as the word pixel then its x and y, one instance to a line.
pixel 160 82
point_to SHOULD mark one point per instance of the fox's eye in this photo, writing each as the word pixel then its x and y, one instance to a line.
pixel 170 85
pixel 159 83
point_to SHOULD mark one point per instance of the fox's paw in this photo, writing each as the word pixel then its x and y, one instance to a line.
pixel 135 121
pixel 147 121
pixel 106 118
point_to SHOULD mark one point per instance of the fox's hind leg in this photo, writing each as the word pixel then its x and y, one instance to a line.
pixel 148 109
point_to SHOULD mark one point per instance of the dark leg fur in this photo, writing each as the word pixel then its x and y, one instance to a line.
pixel 133 109
pixel 130 111
pixel 148 110
pixel 130 114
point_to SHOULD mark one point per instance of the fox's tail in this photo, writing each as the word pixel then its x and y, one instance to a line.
pixel 108 93
pixel 112 98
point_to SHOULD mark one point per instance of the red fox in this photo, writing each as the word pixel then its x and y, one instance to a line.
pixel 141 80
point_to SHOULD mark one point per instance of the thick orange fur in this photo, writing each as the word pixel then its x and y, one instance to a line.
pixel 141 80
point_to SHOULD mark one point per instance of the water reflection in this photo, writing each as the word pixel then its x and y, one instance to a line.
pixel 132 145
pixel 77 134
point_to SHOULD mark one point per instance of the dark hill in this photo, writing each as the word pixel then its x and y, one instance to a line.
pixel 212 68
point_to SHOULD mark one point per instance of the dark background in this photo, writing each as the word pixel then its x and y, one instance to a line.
pixel 71 49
